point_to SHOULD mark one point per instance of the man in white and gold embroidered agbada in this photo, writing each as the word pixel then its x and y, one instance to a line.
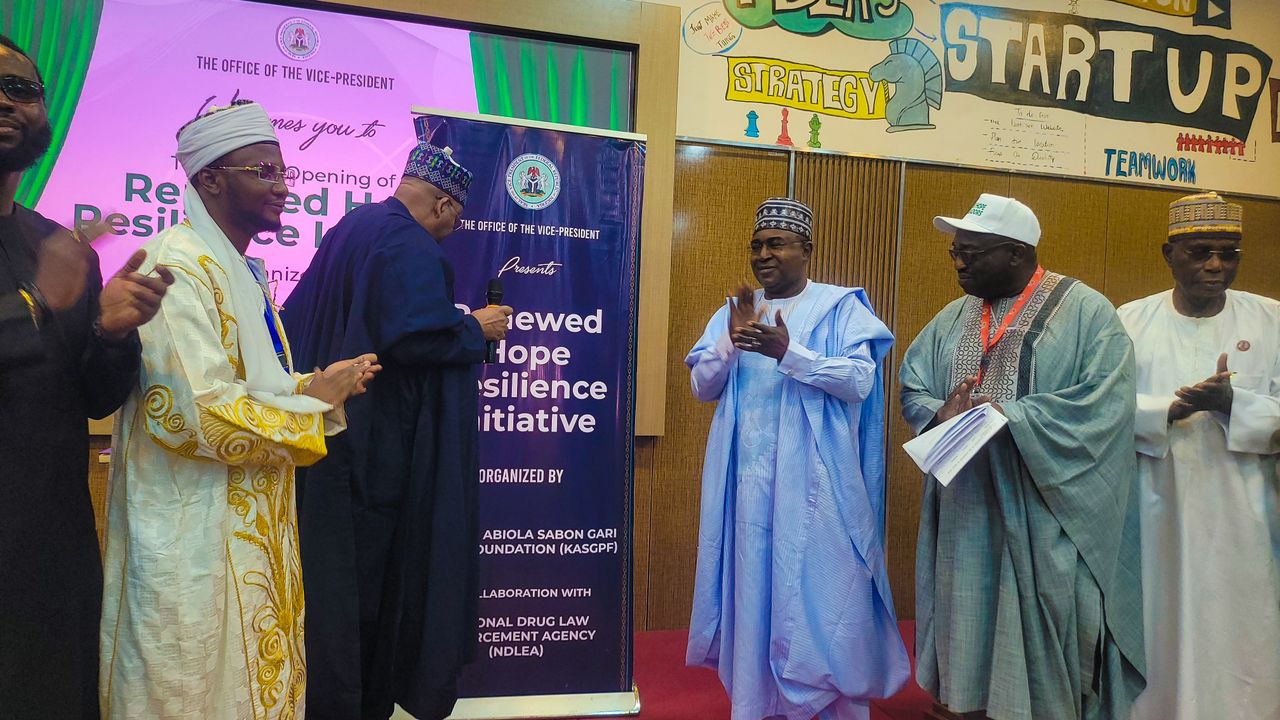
pixel 203 604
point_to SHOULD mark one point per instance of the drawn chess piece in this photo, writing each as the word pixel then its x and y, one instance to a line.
pixel 917 77
pixel 815 126
pixel 784 138
pixel 753 129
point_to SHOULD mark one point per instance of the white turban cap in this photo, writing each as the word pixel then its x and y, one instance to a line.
pixel 220 131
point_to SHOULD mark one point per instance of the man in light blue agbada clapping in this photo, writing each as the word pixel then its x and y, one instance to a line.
pixel 791 603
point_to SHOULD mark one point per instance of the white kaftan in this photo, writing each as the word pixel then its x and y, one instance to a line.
pixel 1210 579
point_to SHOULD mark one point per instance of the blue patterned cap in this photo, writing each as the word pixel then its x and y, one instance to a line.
pixel 437 166
pixel 778 213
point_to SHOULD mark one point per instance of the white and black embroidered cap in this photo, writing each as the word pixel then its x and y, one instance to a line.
pixel 778 213
pixel 995 215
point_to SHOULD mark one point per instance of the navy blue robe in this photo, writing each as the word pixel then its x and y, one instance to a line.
pixel 388 521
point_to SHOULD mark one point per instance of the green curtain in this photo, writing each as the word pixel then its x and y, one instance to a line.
pixel 555 82
pixel 59 35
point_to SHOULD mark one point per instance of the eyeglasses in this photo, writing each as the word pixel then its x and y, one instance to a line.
pixel 457 213
pixel 968 256
pixel 1202 254
pixel 774 245
pixel 267 172
pixel 20 89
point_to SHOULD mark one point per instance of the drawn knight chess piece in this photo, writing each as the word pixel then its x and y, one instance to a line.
pixel 917 78
pixel 784 138
pixel 815 126
pixel 753 129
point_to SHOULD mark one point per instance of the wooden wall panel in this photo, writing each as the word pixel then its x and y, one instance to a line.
pixel 1137 225
pixel 855 204
pixel 641 515
pixel 855 207
pixel 657 77
pixel 1106 235
pixel 98 483
pixel 1073 224
pixel 717 190
pixel 1260 265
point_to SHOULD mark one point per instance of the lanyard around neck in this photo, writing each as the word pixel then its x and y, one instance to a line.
pixel 988 341
pixel 276 341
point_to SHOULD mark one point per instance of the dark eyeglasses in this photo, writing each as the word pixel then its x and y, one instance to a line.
pixel 20 89
pixel 968 256
pixel 774 245
pixel 267 172
pixel 1202 254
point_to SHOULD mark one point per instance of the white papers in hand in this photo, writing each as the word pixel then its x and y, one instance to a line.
pixel 944 451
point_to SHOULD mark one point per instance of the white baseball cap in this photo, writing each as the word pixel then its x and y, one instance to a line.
pixel 995 215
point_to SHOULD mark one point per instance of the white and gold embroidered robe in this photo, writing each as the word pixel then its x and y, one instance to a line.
pixel 203 602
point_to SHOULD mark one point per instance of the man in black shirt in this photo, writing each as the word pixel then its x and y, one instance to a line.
pixel 68 350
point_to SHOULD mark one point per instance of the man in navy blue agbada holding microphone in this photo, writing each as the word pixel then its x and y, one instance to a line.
pixel 388 521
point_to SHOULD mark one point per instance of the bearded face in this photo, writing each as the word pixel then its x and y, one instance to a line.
pixel 24 125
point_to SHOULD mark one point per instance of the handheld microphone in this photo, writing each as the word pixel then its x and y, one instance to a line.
pixel 494 297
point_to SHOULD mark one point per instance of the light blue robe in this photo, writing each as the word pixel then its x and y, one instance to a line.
pixel 796 615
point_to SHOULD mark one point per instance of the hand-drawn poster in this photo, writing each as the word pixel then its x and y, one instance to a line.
pixel 1175 93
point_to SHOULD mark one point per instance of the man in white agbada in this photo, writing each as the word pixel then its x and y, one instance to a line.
pixel 1208 361
pixel 203 609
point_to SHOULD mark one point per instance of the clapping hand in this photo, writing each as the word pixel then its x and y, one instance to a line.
pixel 742 313
pixel 768 340
pixel 1212 394
pixel 962 399
pixel 130 299
pixel 343 379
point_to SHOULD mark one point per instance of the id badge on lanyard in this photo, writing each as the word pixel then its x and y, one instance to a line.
pixel 988 342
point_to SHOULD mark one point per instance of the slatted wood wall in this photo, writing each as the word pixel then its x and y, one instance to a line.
pixel 855 207
pixel 716 192
pixel 1107 235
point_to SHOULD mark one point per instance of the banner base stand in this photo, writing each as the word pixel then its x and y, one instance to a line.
pixel 520 707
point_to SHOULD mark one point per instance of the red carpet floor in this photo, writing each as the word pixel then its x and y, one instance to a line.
pixel 671 691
